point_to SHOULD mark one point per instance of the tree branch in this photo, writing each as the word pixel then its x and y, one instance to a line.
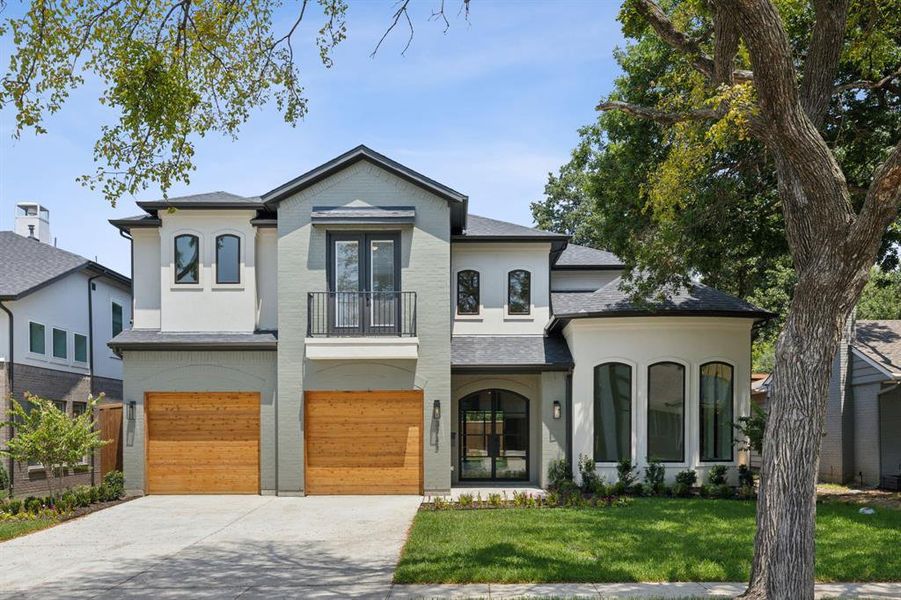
pixel 660 116
pixel 862 84
pixel 725 45
pixel 882 202
pixel 678 40
pixel 400 12
pixel 821 64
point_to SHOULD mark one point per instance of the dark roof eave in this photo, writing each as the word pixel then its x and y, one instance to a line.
pixel 559 320
pixel 512 368
pixel 107 272
pixel 607 267
pixel 127 225
pixel 120 346
pixel 510 238
pixel 161 205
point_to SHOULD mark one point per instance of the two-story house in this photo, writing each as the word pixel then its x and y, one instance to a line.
pixel 355 330
pixel 58 310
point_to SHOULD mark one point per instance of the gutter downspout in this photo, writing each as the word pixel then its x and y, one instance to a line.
pixel 91 361
pixel 10 377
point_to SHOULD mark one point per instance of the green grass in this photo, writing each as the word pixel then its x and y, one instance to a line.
pixel 649 540
pixel 11 529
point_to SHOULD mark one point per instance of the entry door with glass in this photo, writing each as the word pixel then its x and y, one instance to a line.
pixel 494 436
pixel 364 283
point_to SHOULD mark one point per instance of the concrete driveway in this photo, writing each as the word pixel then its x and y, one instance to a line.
pixel 215 547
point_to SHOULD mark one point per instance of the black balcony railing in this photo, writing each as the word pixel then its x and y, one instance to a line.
pixel 358 314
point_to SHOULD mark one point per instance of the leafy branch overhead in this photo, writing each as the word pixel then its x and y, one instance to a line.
pixel 172 71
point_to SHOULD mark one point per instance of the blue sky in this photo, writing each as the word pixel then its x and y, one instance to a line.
pixel 489 108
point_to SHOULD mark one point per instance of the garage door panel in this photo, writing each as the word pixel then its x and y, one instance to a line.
pixel 203 443
pixel 363 442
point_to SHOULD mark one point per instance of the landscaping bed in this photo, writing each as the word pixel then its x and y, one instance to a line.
pixel 638 539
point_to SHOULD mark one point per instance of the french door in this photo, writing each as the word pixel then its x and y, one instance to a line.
pixel 364 283
pixel 494 436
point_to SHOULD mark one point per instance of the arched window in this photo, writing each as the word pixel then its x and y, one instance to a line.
pixel 666 412
pixel 612 412
pixel 716 411
pixel 187 259
pixel 228 259
pixel 519 292
pixel 468 292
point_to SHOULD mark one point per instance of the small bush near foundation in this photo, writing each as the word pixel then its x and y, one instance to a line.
pixel 465 500
pixel 4 480
pixel 654 475
pixel 688 478
pixel 591 480
pixel 558 473
pixel 716 475
pixel 114 483
pixel 745 476
pixel 625 470
pixel 680 490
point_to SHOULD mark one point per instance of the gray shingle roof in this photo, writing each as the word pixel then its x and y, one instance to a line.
pixel 486 228
pixel 206 200
pixel 881 342
pixel 611 301
pixel 135 339
pixel 27 264
pixel 483 351
pixel 582 257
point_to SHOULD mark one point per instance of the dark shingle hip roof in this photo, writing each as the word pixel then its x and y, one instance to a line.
pixel 27 265
pixel 486 229
pixel 575 257
pixel 611 301
pixel 485 352
pixel 880 341
pixel 205 200
pixel 147 339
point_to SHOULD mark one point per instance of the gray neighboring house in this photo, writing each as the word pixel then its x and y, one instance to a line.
pixel 357 331
pixel 58 310
pixel 863 418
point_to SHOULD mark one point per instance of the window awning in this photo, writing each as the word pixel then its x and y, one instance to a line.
pixel 363 215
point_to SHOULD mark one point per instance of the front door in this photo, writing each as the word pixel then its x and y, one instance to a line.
pixel 494 436
pixel 364 281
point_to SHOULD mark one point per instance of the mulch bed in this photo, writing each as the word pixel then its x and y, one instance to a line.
pixel 869 497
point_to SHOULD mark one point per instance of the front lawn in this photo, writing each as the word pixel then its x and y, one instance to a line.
pixel 648 540
pixel 15 528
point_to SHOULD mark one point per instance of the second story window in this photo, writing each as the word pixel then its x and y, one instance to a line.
pixel 468 292
pixel 117 319
pixel 81 348
pixel 60 343
pixel 519 292
pixel 228 259
pixel 36 340
pixel 187 259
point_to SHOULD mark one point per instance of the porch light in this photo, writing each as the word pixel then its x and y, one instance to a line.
pixel 131 410
pixel 436 410
pixel 557 410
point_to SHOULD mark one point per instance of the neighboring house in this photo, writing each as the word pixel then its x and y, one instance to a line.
pixel 58 310
pixel 863 418
pixel 356 330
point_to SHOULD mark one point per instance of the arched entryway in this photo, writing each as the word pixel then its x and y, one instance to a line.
pixel 494 436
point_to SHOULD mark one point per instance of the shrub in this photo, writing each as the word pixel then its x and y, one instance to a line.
pixel 558 472
pixel 746 493
pixel 681 490
pixel 591 480
pixel 13 507
pixel 32 505
pixel 716 475
pixel 745 477
pixel 95 494
pixel 568 489
pixel 752 429
pixel 439 503
pixel 619 489
pixel 724 491
pixel 553 498
pixel 82 495
pixel 688 478
pixel 114 481
pixel 495 500
pixel 654 476
pixel 4 479
pixel 575 501
pixel 465 500
pixel 626 472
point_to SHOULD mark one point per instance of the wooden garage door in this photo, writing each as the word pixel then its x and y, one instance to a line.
pixel 363 442
pixel 203 442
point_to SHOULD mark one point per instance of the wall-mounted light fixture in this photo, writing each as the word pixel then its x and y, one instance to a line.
pixel 131 410
pixel 436 410
pixel 557 409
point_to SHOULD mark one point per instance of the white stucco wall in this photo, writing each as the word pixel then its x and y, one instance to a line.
pixel 494 261
pixel 581 281
pixel 207 306
pixel 146 278
pixel 640 342
pixel 64 305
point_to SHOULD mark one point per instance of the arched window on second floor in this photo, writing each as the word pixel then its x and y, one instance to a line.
pixel 187 258
pixel 228 259
pixel 519 292
pixel 468 292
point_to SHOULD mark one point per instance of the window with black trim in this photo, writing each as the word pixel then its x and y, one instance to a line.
pixel 60 343
pixel 716 411
pixel 37 340
pixel 228 259
pixel 612 412
pixel 468 292
pixel 187 259
pixel 118 318
pixel 666 412
pixel 80 347
pixel 519 292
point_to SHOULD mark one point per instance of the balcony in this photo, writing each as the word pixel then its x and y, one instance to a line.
pixel 361 325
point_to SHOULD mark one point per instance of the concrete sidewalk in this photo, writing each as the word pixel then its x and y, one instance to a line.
pixel 627 590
